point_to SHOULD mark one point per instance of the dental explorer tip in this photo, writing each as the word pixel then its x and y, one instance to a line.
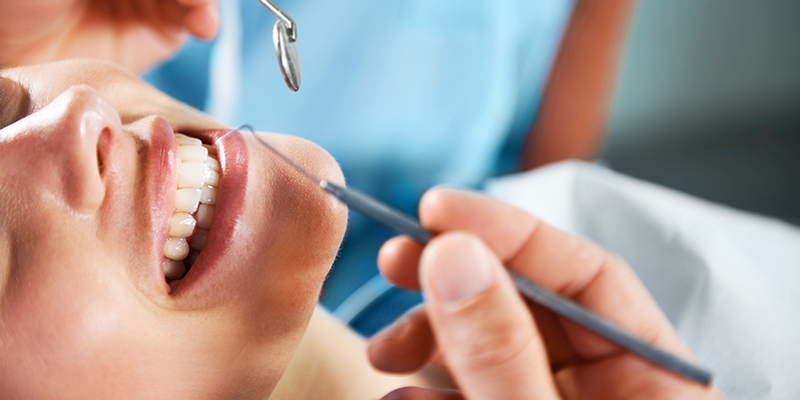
pixel 282 156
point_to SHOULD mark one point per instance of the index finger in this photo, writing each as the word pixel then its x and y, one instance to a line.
pixel 561 262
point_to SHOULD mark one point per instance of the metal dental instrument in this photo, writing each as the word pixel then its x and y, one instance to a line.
pixel 284 36
pixel 402 223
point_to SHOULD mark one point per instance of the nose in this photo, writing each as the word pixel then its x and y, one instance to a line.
pixel 72 135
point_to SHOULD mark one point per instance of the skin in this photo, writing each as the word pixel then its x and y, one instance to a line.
pixel 87 189
pixel 571 121
pixel 493 343
pixel 137 34
pixel 85 313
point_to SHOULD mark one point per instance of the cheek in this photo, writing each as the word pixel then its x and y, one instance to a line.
pixel 65 328
pixel 82 331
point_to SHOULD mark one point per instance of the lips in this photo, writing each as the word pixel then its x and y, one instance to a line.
pixel 272 231
pixel 161 175
pixel 232 153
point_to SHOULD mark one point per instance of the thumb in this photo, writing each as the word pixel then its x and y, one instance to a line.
pixel 486 333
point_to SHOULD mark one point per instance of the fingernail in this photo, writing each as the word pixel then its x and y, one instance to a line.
pixel 461 269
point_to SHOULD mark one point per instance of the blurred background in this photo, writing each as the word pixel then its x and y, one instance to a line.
pixel 708 102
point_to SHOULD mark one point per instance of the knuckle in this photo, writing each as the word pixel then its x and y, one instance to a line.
pixel 497 345
pixel 586 257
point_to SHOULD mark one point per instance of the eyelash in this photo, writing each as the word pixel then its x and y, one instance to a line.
pixel 14 101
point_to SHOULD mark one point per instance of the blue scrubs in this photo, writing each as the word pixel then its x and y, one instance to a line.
pixel 405 94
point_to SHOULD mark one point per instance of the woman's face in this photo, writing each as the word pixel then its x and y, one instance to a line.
pixel 88 179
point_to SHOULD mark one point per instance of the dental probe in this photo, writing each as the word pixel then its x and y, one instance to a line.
pixel 402 223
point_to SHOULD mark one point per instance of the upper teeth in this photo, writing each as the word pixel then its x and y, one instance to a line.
pixel 196 195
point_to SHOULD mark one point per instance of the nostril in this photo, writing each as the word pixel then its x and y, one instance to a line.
pixel 102 150
pixel 87 128
pixel 72 143
pixel 99 164
pixel 99 155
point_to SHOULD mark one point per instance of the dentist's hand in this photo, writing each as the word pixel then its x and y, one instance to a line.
pixel 493 343
pixel 136 34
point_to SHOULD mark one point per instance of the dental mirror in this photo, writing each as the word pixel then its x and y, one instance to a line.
pixel 284 36
pixel 288 59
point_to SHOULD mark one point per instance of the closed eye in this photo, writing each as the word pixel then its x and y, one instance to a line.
pixel 14 101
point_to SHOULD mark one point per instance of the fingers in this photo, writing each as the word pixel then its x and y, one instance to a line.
pixel 503 227
pixel 406 346
pixel 398 261
pixel 484 330
pixel 201 18
pixel 561 262
pixel 629 376
pixel 415 393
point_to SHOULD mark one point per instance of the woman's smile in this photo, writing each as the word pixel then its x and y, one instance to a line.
pixel 215 188
pixel 198 182
pixel 94 185
pixel 195 202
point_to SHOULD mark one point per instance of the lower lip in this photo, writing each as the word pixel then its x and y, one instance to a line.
pixel 230 202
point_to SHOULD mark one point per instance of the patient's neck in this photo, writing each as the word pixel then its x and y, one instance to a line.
pixel 331 362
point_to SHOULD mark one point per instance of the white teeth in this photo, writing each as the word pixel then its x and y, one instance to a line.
pixel 182 141
pixel 173 269
pixel 181 226
pixel 192 175
pixel 211 176
pixel 212 163
pixel 176 248
pixel 193 153
pixel 199 239
pixel 186 200
pixel 195 201
pixel 205 213
pixel 208 195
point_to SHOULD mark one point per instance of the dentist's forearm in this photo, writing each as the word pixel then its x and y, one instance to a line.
pixel 574 109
